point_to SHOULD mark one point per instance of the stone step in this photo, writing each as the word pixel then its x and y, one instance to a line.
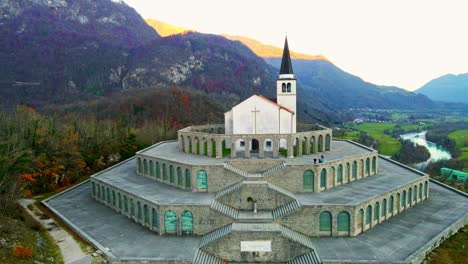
pixel 309 258
pixel 251 217
pixel 281 190
pixel 286 209
pixel 202 257
pixel 273 169
pixel 215 235
pixel 224 209
pixel 228 190
pixel 297 237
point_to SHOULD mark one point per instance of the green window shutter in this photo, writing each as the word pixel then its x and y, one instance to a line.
pixel 113 197
pixel 155 219
pixel 384 207
pixel 120 201
pixel 403 199
pixel 132 208
pixel 308 180
pixel 158 171
pixel 425 190
pixel 125 204
pixel 145 167
pixel 340 173
pixel 180 179
pixel 391 205
pixel 98 191
pixel 151 168
pixel 146 211
pixel 140 167
pixel 164 172
pixel 171 171
pixel 325 221
pixel 188 179
pixel 108 196
pixel 187 222
pixel 420 190
pixel 343 221
pixel 367 166
pixel 170 221
pixel 376 211
pixel 354 170
pixel 374 164
pixel 368 215
pixel 202 180
pixel 323 178
pixel 139 211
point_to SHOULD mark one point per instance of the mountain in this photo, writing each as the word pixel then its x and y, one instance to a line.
pixel 58 50
pixel 447 88
pixel 340 90
pixel 164 29
pixel 326 88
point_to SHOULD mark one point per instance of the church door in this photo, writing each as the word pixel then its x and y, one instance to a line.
pixel 255 145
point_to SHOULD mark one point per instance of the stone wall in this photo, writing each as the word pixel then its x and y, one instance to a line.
pixel 228 248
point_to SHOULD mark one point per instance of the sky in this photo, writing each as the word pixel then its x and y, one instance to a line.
pixel 403 43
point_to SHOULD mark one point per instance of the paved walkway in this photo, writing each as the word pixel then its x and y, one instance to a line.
pixel 71 251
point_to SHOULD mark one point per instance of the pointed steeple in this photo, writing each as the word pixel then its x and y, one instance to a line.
pixel 286 65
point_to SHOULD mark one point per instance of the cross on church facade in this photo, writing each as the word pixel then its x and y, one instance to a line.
pixel 255 111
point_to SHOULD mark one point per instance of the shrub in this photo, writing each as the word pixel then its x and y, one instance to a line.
pixel 20 251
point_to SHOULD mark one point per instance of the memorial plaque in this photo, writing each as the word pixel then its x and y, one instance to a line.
pixel 256 246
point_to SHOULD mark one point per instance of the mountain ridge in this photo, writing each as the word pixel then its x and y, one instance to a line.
pixel 447 88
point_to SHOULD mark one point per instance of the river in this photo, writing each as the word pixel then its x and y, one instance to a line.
pixel 437 152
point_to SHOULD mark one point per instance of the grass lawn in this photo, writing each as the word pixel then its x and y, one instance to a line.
pixel 387 144
pixel 453 250
pixel 461 139
pixel 22 236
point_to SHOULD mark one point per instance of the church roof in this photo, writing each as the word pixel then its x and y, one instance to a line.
pixel 275 103
pixel 286 65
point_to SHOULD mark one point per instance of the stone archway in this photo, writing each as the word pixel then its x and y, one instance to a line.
pixel 255 147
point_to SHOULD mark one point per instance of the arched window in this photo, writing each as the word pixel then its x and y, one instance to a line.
pixel 180 178
pixel 376 211
pixel 158 170
pixel 289 87
pixel 120 201
pixel 384 207
pixel 420 191
pixel 132 208
pixel 374 165
pixel 125 204
pixel 151 168
pixel 425 189
pixel 103 193
pixel 99 191
pixel 108 196
pixel 94 189
pixel 325 223
pixel 362 168
pixel 145 167
pixel 343 222
pixel 348 173
pixel 188 179
pixel 410 195
pixel 403 200
pixel 340 174
pixel 327 142
pixel 308 180
pixel 155 219
pixel 320 144
pixel 354 169
pixel 390 205
pixel 398 202
pixel 164 172
pixel 187 223
pixel 140 166
pixel 113 198
pixel 171 171
pixel 147 216
pixel 415 193
pixel 368 214
pixel 283 87
pixel 170 222
pixel 367 166
pixel 139 212
pixel 323 178
pixel 202 180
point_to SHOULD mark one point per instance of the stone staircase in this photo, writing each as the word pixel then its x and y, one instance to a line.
pixel 228 190
pixel 229 167
pixel 202 257
pixel 215 235
pixel 274 169
pixel 286 209
pixel 310 258
pixel 224 209
pixel 296 236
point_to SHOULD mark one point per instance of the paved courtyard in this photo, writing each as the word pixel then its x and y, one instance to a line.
pixel 392 240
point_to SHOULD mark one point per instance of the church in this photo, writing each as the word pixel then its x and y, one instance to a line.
pixel 260 115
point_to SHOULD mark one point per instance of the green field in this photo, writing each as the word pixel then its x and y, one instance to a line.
pixel 387 144
pixel 461 139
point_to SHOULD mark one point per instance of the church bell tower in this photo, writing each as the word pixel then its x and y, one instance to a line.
pixel 286 84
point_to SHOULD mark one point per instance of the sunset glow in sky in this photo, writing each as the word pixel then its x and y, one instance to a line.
pixel 405 43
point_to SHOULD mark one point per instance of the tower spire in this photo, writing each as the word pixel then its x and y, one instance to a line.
pixel 286 65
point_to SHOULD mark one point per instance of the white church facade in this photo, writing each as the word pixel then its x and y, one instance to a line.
pixel 260 115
